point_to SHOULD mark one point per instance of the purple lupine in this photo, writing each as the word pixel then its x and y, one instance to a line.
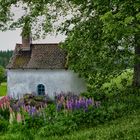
pixel 67 104
pixel 89 101
pixel 20 103
pixel 59 106
pixel 32 110
pixel 77 104
pixel 74 102
pixel 70 105
pixel 15 107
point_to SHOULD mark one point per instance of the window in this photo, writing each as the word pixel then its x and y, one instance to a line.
pixel 41 89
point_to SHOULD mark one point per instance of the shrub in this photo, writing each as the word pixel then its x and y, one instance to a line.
pixel 119 83
pixel 31 113
pixel 4 107
pixel 4 113
pixel 3 125
pixel 59 124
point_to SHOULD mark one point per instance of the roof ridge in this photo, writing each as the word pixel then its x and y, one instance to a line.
pixel 40 43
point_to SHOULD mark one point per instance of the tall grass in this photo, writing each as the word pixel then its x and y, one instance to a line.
pixel 3 89
pixel 125 128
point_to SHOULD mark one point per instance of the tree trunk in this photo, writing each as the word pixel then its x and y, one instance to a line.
pixel 136 77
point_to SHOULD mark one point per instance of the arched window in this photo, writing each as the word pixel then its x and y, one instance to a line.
pixel 41 89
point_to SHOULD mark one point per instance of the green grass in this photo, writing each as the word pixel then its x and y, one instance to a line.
pixel 125 128
pixel 3 89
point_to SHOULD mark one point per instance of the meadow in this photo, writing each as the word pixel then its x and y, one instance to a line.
pixel 116 121
pixel 3 89
pixel 125 128
pixel 115 116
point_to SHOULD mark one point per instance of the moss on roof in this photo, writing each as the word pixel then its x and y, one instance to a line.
pixel 40 56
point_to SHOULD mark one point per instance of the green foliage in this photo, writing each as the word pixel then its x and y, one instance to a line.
pixel 57 123
pixel 62 125
pixel 5 57
pixel 100 48
pixel 2 74
pixel 34 122
pixel 100 45
pixel 20 132
pixel 99 54
pixel 33 10
pixel 123 128
pixel 66 122
pixel 3 125
pixel 4 113
pixel 3 89
pixel 126 127
pixel 119 83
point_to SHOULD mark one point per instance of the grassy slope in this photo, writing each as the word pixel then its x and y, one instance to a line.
pixel 3 89
pixel 126 128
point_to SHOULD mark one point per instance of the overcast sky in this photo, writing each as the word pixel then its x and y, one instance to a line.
pixel 9 39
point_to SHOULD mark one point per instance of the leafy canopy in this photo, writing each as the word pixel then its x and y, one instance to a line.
pixel 103 38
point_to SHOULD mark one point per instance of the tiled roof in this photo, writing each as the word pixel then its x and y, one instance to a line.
pixel 40 56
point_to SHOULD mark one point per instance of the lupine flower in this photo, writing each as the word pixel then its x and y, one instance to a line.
pixel 73 102
pixel 12 117
pixel 4 102
pixel 19 118
pixel 59 106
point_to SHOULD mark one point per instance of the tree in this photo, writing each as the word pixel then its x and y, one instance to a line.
pixel 2 74
pixel 123 24
pixel 102 45
pixel 5 57
pixel 103 39
pixel 39 14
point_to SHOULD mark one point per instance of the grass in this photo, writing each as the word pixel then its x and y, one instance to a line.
pixel 3 89
pixel 125 128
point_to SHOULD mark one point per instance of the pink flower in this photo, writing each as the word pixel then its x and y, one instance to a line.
pixel 19 118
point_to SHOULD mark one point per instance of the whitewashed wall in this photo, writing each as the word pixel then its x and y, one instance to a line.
pixel 26 81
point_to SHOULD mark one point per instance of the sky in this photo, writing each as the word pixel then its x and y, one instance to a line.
pixel 9 39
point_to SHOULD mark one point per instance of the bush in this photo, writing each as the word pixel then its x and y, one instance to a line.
pixel 4 113
pixel 50 121
pixel 119 83
pixel 2 75
pixel 3 125
pixel 59 128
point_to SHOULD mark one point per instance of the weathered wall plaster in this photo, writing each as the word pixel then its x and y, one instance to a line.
pixel 26 81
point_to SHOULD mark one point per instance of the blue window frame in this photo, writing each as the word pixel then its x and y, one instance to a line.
pixel 41 89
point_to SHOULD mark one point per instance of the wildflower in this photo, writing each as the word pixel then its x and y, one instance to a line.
pixel 59 106
pixel 97 104
pixel 19 118
pixel 12 115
